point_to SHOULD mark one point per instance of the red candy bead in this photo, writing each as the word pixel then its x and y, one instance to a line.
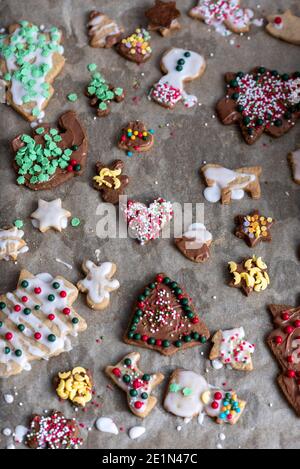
pixel 289 329
pixel 17 308
pixel 291 374
pixel 24 299
pixel 70 169
pixel 285 316
pixel 37 336
pixel 141 304
pixel 73 162
pixel 218 396
pixel 138 405
pixel 158 342
pixel 123 138
pixel 195 320
pixel 66 311
pixel 298 382
pixel 290 359
pixel 180 297
pixel 116 372
pixel 63 294
pixel 37 290
pixel 159 278
pixel 229 417
pixel 51 317
pixel 144 338
pixel 297 323
pixel 278 340
pixel 278 20
pixel 214 405
pixel 8 336
pixel 137 383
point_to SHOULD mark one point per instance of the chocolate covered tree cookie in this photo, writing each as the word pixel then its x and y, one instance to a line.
pixel 163 17
pixel 164 319
pixel 261 101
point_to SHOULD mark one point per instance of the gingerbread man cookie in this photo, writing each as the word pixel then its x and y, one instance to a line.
pixel 51 156
pixel 102 31
pixel 188 394
pixel 231 348
pixel 225 184
pixel 146 223
pixel 226 16
pixel 179 66
pixel 135 138
pixel 102 94
pixel 261 101
pixel 137 385
pixel 164 319
pixel 36 321
pixel 136 48
pixel 12 244
pixel 98 283
pixel 285 27
pixel 163 17
pixel 30 60
pixel 195 242
pixel 110 181
pixel 50 215
pixel 53 431
pixel 251 275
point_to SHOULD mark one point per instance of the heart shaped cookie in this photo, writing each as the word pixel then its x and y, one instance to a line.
pixel 145 223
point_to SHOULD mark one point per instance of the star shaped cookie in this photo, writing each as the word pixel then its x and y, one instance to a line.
pixel 253 228
pixel 50 215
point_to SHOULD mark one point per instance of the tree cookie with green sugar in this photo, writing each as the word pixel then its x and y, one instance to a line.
pixel 50 156
pixel 102 94
pixel 164 319
pixel 30 60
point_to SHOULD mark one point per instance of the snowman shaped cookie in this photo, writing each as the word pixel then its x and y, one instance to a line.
pixel 180 66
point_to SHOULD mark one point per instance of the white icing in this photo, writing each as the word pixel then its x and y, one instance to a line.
pixel 296 351
pixel 216 364
pixel 37 321
pixel 222 178
pixel 64 263
pixel 10 446
pixel 20 433
pixel 107 425
pixel 9 398
pixel 187 406
pixel 234 348
pixel 50 215
pixel 223 15
pixel 192 68
pixel 199 235
pixel 102 27
pixel 12 244
pixel 98 282
pixel 136 432
pixel 6 431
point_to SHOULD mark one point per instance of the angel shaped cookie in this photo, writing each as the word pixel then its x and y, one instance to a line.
pixel 226 185
pixel 179 66
pixel 98 283
pixel 11 244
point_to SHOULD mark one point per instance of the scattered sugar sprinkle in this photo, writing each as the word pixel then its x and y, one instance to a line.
pixel 179 428
pixel 222 437
pixel 7 432
pixel 9 398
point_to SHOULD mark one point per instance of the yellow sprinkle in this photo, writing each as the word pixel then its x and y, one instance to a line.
pixel 133 137
pixel 135 132
pixel 269 220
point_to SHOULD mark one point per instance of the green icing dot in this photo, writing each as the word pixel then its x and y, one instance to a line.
pixel 92 67
pixel 19 224
pixel 187 391
pixel 174 387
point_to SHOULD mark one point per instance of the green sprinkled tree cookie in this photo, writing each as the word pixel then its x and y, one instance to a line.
pixel 50 156
pixel 101 93
pixel 30 60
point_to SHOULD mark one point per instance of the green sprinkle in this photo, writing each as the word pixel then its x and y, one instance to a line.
pixel 19 224
pixel 92 67
pixel 35 111
pixel 7 76
pixel 40 130
pixel 174 387
pixel 75 222
pixel 187 391
pixel 102 106
pixel 72 97
pixel 118 91
pixel 21 180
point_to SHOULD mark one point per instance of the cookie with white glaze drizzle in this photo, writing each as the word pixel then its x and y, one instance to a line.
pixel 164 319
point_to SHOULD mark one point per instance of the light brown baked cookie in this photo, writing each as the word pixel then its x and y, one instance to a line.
pixel 231 348
pixel 294 159
pixel 285 27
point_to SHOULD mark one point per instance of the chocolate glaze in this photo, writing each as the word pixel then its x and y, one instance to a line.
pixel 162 14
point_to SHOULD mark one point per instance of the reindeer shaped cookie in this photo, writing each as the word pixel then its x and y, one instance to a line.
pixel 226 185
pixel 180 66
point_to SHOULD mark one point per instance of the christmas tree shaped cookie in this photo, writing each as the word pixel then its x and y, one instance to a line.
pixel 164 319
pixel 36 321
pixel 284 342
pixel 261 101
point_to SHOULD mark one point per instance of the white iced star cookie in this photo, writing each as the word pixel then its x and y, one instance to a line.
pixel 98 283
pixel 50 215
pixel 11 243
